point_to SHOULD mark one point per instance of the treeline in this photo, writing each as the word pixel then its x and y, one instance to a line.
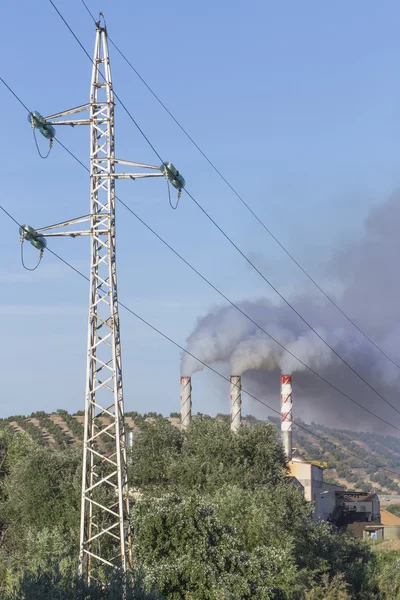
pixel 355 472
pixel 216 518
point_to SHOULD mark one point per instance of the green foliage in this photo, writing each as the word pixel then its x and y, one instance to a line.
pixel 388 575
pixel 268 515
pixel 187 552
pixel 394 509
pixel 213 456
pixel 155 446
pixel 58 434
pixel 214 517
pixel 53 582
pixel 75 426
pixel 40 504
pixel 322 549
pixel 329 589
pixel 31 429
pixel 206 456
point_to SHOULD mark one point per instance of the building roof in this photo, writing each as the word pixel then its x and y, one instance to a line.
pixel 357 496
pixel 299 458
pixel 357 528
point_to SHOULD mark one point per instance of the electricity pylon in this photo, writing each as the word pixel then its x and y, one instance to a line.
pixel 105 537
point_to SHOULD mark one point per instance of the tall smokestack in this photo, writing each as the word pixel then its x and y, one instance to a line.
pixel 286 413
pixel 186 401
pixel 236 402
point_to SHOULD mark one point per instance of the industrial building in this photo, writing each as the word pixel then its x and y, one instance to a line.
pixel 321 494
pixel 359 511
pixel 359 506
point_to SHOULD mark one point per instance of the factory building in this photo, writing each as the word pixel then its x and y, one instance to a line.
pixel 321 494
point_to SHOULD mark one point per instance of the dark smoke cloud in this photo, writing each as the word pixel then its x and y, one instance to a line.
pixel 367 273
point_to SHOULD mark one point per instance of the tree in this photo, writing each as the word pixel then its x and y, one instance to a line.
pixel 40 504
pixel 188 553
pixel 211 456
pixel 388 576
pixel 52 582
pixel 329 589
pixel 155 446
pixel 323 549
pixel 214 517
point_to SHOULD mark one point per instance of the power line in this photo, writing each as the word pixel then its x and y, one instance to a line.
pixel 225 297
pixel 101 74
pixel 183 349
pixel 247 259
pixel 15 95
pixel 232 303
pixel 248 207
pixel 89 11
pixel 236 306
pixel 172 341
pixel 352 369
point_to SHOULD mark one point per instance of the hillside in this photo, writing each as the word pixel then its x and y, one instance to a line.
pixel 61 428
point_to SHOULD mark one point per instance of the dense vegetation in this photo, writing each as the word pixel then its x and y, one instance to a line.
pixel 216 518
pixel 352 472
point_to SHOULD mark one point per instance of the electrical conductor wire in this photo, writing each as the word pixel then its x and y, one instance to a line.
pixel 248 207
pixel 172 341
pixel 226 235
pixel 233 304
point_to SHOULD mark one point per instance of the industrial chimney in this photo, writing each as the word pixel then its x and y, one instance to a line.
pixel 286 414
pixel 236 402
pixel 186 401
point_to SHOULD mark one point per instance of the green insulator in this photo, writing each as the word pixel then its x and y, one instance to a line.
pixel 178 182
pixel 48 131
pixel 169 170
pixel 173 175
pixel 36 117
pixel 27 232
pixel 39 242
pixel 39 122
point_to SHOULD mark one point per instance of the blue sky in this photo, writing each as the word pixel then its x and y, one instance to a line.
pixel 298 104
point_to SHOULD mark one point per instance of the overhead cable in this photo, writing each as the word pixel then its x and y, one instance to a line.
pixel 247 206
pixel 352 369
pixel 212 369
pixel 232 303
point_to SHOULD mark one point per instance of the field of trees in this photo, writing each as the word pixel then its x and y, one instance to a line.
pixel 62 429
pixel 213 517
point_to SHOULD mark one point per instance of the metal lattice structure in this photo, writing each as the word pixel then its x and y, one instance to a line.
pixel 105 538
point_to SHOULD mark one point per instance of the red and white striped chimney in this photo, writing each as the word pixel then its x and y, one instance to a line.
pixel 236 402
pixel 186 401
pixel 286 414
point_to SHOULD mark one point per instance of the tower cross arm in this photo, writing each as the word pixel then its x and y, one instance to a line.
pixel 60 229
pixel 52 119
pixel 141 175
pixel 70 111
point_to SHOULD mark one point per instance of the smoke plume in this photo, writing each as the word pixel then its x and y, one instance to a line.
pixel 367 273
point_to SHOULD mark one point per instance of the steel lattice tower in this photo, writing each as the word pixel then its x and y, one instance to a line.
pixel 104 393
pixel 105 538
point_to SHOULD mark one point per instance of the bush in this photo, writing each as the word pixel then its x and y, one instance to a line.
pixel 52 582
pixel 329 589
